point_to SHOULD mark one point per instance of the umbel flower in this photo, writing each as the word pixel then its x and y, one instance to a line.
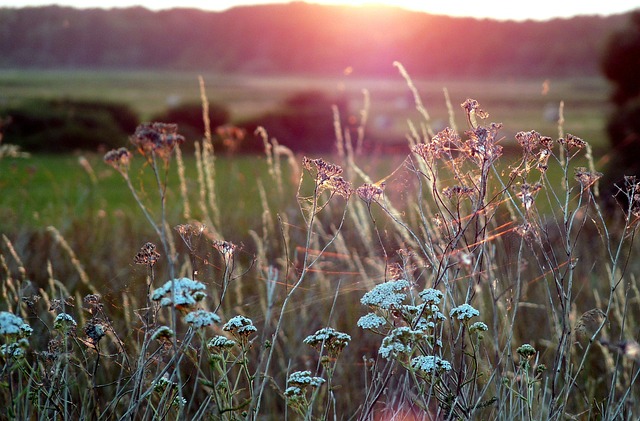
pixel 329 338
pixel 239 326
pixel 186 293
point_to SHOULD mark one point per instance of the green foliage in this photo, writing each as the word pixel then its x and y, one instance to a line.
pixel 295 124
pixel 66 125
pixel 189 118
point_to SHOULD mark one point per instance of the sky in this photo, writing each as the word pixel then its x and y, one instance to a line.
pixel 497 9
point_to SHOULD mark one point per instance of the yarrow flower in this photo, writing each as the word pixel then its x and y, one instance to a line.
pixel 464 312
pixel 187 293
pixel 399 341
pixel 332 340
pixel 302 379
pixel 431 296
pixel 430 364
pixel 386 296
pixel 526 351
pixel 218 343
pixel 64 322
pixel 478 327
pixel 12 325
pixel 163 333
pixel 239 326
pixel 371 321
pixel 201 318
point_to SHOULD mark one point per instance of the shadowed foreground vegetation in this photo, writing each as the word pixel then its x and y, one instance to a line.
pixel 458 283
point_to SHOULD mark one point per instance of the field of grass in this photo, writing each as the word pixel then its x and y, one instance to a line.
pixel 451 281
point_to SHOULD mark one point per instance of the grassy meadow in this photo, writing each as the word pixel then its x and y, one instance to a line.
pixel 476 275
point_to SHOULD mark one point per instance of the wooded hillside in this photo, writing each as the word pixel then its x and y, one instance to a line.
pixel 301 38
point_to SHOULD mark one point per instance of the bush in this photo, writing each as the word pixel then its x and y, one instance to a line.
pixel 67 125
pixel 188 117
pixel 300 123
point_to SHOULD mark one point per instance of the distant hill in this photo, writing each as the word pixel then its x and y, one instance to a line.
pixel 303 39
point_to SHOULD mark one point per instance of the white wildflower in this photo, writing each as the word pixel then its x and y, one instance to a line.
pixel 387 295
pixel 478 327
pixel 10 324
pixel 464 312
pixel 201 318
pixel 329 338
pixel 431 296
pixel 163 333
pixel 240 326
pixel 187 293
pixel 64 322
pixel 304 378
pixel 371 321
pixel 430 364
pixel 399 341
pixel 220 342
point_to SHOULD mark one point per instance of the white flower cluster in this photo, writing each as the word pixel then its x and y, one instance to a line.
pixel 371 321
pixel 218 343
pixel 12 325
pixel 464 312
pixel 330 338
pixel 430 364
pixel 304 378
pixel 431 296
pixel 163 333
pixel 400 341
pixel 240 326
pixel 386 296
pixel 187 293
pixel 201 318
pixel 64 322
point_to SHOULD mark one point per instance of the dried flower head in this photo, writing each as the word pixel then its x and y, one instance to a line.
pixel 95 329
pixel 147 255
pixel 526 194
pixel 570 141
pixel 327 176
pixel 472 106
pixel 226 248
pixel 156 138
pixel 120 159
pixel 585 177
pixel 370 192
pixel 190 231
pixel 482 145
pixel 457 191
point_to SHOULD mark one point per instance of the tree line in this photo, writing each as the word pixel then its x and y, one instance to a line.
pixel 301 38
